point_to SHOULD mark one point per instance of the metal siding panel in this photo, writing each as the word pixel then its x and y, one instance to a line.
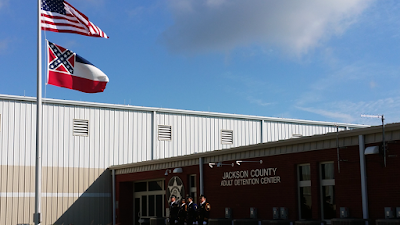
pixel 101 141
pixel 118 138
pixel 146 135
pixel 169 144
pixel 267 131
pixel 272 131
pixel 17 116
pixel 3 139
pixel 179 131
pixel 9 147
pixel 213 134
pixel 187 134
pixel 95 140
pixel 162 143
pixel 135 148
pixel 111 149
pixel 183 132
pixel 207 134
pixel 175 139
pixel 289 131
pixel 130 137
pixel 104 142
pixel 192 134
pixel 125 148
pixel 195 135
pixel 143 139
pixel 69 140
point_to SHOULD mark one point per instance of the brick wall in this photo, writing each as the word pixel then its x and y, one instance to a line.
pixel 383 184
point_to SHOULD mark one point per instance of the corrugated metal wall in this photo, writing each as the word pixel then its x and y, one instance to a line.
pixel 76 184
pixel 195 134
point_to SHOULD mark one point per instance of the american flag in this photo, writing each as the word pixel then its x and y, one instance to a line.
pixel 60 16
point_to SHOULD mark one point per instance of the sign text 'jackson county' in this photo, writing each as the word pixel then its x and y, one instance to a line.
pixel 250 177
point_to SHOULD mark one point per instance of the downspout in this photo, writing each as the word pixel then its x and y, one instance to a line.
pixel 364 193
pixel 201 163
pixel 113 197
pixel 153 134
pixel 262 132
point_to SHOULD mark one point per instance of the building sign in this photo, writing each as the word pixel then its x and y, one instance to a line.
pixel 250 177
pixel 175 187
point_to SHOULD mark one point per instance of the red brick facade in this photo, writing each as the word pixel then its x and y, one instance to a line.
pixel 383 184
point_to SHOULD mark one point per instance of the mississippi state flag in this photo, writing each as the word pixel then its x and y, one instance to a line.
pixel 69 70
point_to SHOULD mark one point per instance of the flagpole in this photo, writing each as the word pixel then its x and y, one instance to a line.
pixel 38 165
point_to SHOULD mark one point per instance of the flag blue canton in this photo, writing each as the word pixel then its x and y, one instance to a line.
pixel 62 58
pixel 56 6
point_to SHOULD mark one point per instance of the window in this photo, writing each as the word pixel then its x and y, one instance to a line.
pixel 226 137
pixel 164 133
pixel 327 176
pixel 304 181
pixel 192 187
pixel 81 127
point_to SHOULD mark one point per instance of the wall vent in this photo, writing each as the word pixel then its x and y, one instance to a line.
pixel 226 137
pixel 81 127
pixel 164 133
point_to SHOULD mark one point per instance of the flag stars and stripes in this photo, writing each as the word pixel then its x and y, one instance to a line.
pixel 54 6
pixel 67 69
pixel 60 16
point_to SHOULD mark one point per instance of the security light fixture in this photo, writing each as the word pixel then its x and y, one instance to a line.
pixel 219 164
pixel 167 171
pixel 178 170
pixel 238 162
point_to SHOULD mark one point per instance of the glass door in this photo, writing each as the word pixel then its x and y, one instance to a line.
pixel 149 200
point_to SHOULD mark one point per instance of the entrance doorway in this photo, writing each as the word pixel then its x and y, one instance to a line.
pixel 149 200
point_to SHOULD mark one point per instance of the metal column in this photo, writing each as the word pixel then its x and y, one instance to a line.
pixel 113 197
pixel 201 163
pixel 364 193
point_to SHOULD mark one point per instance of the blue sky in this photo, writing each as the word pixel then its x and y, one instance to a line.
pixel 330 60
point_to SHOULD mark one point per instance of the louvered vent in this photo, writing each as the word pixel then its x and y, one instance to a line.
pixel 164 133
pixel 227 137
pixel 81 127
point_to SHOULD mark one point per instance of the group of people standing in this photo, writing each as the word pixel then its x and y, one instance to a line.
pixel 188 212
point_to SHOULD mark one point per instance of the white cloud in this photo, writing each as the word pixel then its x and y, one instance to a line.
pixel 350 112
pixel 330 114
pixel 257 101
pixel 363 74
pixel 221 25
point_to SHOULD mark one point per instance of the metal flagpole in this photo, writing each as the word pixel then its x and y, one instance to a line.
pixel 38 165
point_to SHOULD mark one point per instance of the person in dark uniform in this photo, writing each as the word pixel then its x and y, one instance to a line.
pixel 191 211
pixel 182 212
pixel 173 211
pixel 203 211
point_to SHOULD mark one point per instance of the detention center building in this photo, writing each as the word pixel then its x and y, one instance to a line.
pixel 311 178
pixel 87 146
